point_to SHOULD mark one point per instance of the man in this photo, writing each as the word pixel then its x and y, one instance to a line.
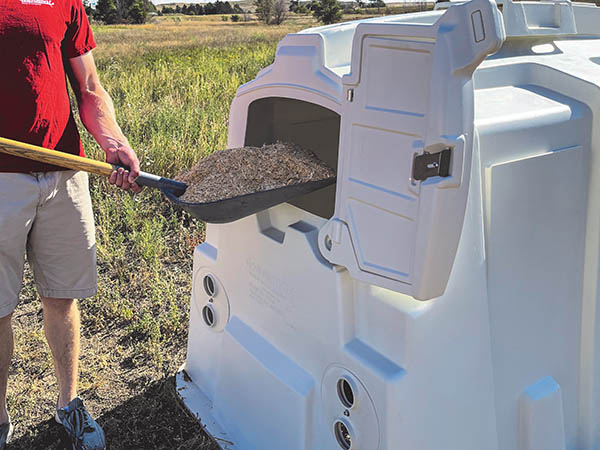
pixel 46 211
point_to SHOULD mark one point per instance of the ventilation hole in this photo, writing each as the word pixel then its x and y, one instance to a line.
pixel 342 435
pixel 208 314
pixel 209 285
pixel 345 393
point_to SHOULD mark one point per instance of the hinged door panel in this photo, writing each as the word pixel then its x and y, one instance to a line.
pixel 406 148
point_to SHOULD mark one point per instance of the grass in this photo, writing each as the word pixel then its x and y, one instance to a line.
pixel 169 32
pixel 172 82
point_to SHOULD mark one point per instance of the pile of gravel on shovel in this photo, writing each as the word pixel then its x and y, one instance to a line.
pixel 238 171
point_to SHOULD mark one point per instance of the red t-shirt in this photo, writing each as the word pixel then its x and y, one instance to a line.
pixel 36 38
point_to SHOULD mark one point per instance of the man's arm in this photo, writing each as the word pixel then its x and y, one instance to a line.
pixel 98 116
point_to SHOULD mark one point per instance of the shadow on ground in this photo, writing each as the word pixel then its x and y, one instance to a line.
pixel 153 420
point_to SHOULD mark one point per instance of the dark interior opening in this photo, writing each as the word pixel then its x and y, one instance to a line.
pixel 308 125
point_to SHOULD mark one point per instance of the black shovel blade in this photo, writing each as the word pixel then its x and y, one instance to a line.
pixel 234 208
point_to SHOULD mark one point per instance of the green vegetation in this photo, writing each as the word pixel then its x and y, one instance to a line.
pixel 121 11
pixel 271 12
pixel 200 9
pixel 172 83
pixel 327 11
pixel 299 8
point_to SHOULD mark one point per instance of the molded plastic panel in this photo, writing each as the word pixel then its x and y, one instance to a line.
pixel 539 18
pixel 401 233
pixel 283 383
pixel 525 292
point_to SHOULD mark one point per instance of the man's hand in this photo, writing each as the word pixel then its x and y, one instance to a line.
pixel 124 156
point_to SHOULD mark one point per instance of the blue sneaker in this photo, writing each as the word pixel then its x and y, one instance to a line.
pixel 84 432
pixel 6 431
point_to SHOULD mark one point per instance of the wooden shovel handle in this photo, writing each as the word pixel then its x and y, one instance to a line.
pixel 74 162
pixel 54 157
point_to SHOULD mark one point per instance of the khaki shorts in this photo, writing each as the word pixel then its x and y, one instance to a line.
pixel 49 217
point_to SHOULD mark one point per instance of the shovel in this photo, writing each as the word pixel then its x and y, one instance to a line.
pixel 220 211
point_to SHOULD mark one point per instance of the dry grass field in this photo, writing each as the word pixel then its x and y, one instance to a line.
pixel 172 82
pixel 168 32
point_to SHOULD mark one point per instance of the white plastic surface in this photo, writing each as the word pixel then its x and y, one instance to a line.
pixel 508 358
pixel 555 17
pixel 394 231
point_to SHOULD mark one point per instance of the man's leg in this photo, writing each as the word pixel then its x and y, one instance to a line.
pixel 19 196
pixel 6 352
pixel 62 253
pixel 61 326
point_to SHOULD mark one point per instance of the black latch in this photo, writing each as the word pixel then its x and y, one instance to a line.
pixel 430 165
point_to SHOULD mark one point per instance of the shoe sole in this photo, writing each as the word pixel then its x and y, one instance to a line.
pixel 11 428
pixel 58 421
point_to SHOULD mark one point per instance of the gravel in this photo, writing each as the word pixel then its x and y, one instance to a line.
pixel 238 171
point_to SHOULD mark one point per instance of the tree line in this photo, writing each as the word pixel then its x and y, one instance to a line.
pixel 137 11
pixel 331 11
pixel 271 12
pixel 120 11
pixel 203 9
